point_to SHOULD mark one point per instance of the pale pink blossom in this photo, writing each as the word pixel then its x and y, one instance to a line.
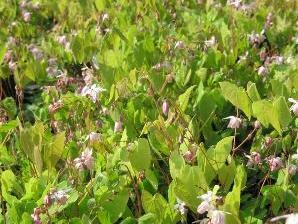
pixel 36 215
pixel 93 137
pixel 210 43
pixel 205 206
pixel 12 66
pixel 290 218
pixel 254 159
pixel 92 91
pixel 179 45
pixel 234 122
pixel 292 169
pixel 118 126
pixel 294 107
pixel 262 70
pixel 26 16
pixel 85 161
pixel 275 163
pixel 217 217
pixel 181 207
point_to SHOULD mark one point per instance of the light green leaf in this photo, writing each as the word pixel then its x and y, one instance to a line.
pixel 184 98
pixel 282 110
pixel 140 157
pixel 252 92
pixel 264 111
pixel 232 200
pixel 237 96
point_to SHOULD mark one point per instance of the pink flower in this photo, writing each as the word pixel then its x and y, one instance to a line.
pixel 292 169
pixel 217 217
pixel 210 43
pixel 181 207
pixel 118 126
pixel 294 107
pixel 290 218
pixel 92 91
pixel 179 44
pixel 189 155
pixel 254 159
pixel 205 206
pixel 93 137
pixel 85 161
pixel 36 215
pixel 262 70
pixel 275 163
pixel 26 16
pixel 234 122
pixel 12 66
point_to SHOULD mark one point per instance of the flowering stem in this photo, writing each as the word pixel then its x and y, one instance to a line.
pixel 245 140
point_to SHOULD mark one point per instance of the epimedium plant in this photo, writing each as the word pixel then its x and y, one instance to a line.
pixel 148 111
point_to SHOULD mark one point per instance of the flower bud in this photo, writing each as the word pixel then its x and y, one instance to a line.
pixel 26 16
pixel 118 126
pixel 165 107
pixel 292 169
pixel 257 124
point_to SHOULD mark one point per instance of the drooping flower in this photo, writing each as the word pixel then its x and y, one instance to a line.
pixel 12 65
pixel 295 156
pixel 92 91
pixel 64 42
pixel 235 3
pixel 60 196
pixel 294 107
pixel 254 159
pixel 93 137
pixel 179 45
pixel 210 43
pixel 181 207
pixel 217 217
pixel 189 155
pixel 290 218
pixel 275 163
pixel 26 16
pixel 292 169
pixel 262 70
pixel 85 161
pixel 36 215
pixel 234 122
pixel 206 204
pixel 118 126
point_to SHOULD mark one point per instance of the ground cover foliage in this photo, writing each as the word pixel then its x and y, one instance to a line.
pixel 148 111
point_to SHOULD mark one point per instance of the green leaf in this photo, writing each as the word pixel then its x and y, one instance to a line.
pixel 232 200
pixel 78 49
pixel 276 113
pixel 100 4
pixel 183 99
pixel 252 92
pixel 158 206
pixel 237 96
pixel 9 105
pixel 55 150
pixel 217 156
pixel 114 208
pixel 140 157
pixel 6 127
pixel 282 110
